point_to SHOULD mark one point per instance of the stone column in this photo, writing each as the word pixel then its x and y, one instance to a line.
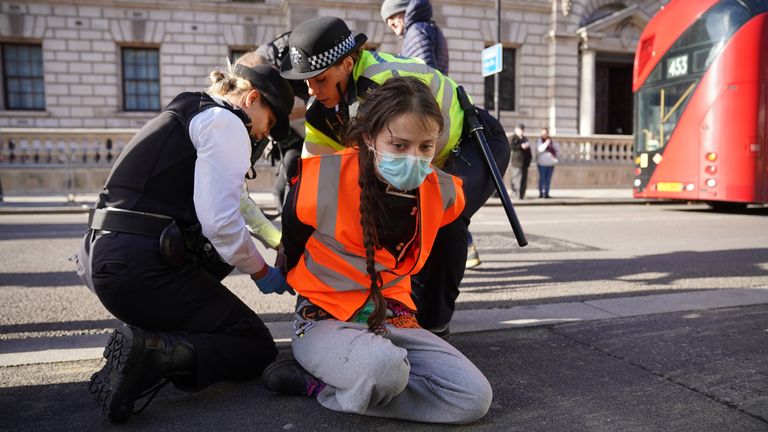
pixel 587 92
pixel 563 83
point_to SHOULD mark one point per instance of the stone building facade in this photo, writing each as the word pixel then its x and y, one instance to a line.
pixel 113 63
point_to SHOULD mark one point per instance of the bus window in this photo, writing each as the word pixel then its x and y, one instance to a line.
pixel 659 109
pixel 703 57
pixel 715 26
pixel 758 6
pixel 654 76
pixel 706 38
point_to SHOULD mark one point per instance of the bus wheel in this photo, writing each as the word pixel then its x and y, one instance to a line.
pixel 727 207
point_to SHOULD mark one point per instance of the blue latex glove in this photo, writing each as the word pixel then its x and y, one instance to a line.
pixel 273 282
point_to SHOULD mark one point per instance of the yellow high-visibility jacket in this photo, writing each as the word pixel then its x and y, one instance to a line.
pixel 324 126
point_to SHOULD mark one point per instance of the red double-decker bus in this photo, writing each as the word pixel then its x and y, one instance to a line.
pixel 701 99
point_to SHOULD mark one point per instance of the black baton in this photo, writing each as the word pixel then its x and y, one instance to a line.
pixel 476 129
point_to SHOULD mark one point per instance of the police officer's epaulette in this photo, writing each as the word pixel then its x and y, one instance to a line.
pixel 326 120
pixel 365 86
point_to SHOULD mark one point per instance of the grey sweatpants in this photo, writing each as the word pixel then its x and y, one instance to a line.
pixel 407 374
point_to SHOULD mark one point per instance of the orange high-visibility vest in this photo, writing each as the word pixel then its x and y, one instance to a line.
pixel 332 271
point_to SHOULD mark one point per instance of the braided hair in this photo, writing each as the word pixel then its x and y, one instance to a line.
pixel 396 97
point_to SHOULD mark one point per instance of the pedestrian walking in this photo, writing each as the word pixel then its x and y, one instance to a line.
pixel 521 156
pixel 411 20
pixel 547 154
pixel 358 347
pixel 339 74
pixel 166 230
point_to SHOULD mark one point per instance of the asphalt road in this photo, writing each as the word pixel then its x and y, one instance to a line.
pixel 575 253
pixel 703 370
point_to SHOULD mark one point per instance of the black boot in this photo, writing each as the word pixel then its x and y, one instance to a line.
pixel 288 377
pixel 137 361
pixel 443 331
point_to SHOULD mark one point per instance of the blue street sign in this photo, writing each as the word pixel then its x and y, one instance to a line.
pixel 492 62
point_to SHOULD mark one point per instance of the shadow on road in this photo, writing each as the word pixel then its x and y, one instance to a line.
pixel 657 272
pixel 658 269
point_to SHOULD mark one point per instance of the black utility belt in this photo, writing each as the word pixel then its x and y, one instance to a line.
pixel 174 248
pixel 128 221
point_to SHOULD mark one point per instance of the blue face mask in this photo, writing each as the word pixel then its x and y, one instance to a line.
pixel 403 172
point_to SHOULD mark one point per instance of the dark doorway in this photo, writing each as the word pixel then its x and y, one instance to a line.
pixel 613 94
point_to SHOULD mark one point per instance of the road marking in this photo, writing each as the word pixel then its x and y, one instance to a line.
pixel 88 347
pixel 15 352
pixel 593 220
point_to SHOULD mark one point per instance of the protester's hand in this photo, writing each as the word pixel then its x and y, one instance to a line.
pixel 272 282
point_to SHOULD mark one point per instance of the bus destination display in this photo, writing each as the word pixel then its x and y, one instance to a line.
pixel 677 66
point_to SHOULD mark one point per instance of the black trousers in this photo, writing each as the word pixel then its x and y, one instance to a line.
pixel 285 172
pixel 132 281
pixel 523 180
pixel 436 287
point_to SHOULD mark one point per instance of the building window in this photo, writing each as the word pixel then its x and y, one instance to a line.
pixel 141 79
pixel 23 77
pixel 235 54
pixel 506 83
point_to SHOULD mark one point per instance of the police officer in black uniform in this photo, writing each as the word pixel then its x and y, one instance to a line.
pixel 166 230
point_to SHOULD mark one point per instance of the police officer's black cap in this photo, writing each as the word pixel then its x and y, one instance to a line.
pixel 276 91
pixel 317 44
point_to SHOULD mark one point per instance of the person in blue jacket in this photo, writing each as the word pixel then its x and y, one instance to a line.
pixel 411 20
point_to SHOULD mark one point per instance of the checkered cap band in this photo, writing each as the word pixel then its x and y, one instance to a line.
pixel 329 57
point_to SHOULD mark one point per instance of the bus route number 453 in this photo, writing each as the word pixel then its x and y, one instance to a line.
pixel 677 66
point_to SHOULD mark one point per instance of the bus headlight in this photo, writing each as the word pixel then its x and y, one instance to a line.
pixel 711 183
pixel 638 182
pixel 710 169
pixel 689 187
